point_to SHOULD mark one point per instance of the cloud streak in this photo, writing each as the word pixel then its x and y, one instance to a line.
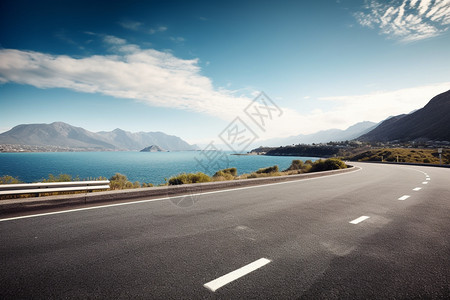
pixel 407 21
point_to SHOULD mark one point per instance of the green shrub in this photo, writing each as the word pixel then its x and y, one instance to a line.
pixel 147 184
pixel 225 174
pixel 189 178
pixel 231 171
pixel 60 178
pixel 329 164
pixel 119 182
pixel 295 165
pixel 9 180
pixel 136 185
pixel 268 170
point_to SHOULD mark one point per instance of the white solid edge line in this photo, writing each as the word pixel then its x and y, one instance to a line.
pixel 236 274
pixel 359 220
pixel 417 189
pixel 404 197
pixel 174 197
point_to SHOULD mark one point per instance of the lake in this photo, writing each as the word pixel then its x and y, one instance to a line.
pixel 150 167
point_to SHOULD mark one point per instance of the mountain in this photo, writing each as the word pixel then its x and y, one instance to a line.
pixel 432 122
pixel 55 134
pixel 59 134
pixel 324 136
pixel 153 148
pixel 136 141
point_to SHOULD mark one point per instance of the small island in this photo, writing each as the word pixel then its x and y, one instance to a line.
pixel 153 148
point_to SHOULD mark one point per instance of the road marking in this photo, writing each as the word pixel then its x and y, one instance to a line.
pixel 404 197
pixel 216 284
pixel 428 178
pixel 417 189
pixel 174 197
pixel 425 182
pixel 360 219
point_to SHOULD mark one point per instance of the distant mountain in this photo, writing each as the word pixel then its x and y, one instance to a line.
pixel 432 122
pixel 136 141
pixel 59 134
pixel 153 148
pixel 324 136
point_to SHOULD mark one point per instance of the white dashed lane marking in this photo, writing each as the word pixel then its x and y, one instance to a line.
pixel 359 220
pixel 404 197
pixel 417 189
pixel 236 274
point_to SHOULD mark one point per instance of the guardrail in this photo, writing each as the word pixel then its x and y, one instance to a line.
pixel 30 204
pixel 52 187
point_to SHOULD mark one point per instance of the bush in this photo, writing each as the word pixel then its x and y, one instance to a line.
pixel 231 171
pixel 187 178
pixel 60 178
pixel 225 174
pixel 268 170
pixel 329 164
pixel 9 180
pixel 295 165
pixel 120 182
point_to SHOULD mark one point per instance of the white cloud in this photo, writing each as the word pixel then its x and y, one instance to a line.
pixel 177 39
pixel 157 29
pixel 406 20
pixel 131 25
pixel 147 75
pixel 375 106
pixel 160 79
pixel 423 6
pixel 112 40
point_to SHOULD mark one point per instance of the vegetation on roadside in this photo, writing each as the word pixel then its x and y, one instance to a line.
pixel 9 180
pixel 119 181
pixel 187 178
pixel 409 155
pixel 225 174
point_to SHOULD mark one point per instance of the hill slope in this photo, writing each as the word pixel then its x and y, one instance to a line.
pixel 432 122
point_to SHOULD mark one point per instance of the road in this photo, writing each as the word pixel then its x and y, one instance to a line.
pixel 348 236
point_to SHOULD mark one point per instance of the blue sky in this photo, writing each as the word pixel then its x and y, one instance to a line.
pixel 188 68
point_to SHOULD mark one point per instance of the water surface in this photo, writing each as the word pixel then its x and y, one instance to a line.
pixel 150 167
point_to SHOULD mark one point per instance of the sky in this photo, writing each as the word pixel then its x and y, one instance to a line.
pixel 195 69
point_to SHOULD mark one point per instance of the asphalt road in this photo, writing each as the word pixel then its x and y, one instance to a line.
pixel 282 241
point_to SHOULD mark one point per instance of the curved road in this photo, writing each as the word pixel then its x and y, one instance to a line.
pixel 379 232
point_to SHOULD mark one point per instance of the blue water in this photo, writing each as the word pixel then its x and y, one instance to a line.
pixel 137 166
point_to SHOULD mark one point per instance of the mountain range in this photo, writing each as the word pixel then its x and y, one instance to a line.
pixel 324 136
pixel 59 134
pixel 432 122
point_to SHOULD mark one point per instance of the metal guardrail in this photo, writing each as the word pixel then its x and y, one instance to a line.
pixel 52 187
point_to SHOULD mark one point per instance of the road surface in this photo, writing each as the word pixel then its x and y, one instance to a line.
pixel 380 232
